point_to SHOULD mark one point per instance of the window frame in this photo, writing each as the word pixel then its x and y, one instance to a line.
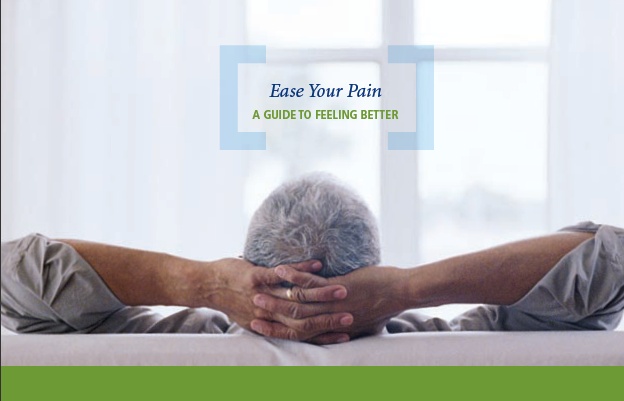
pixel 399 203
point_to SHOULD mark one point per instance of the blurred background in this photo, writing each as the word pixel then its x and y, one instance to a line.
pixel 110 119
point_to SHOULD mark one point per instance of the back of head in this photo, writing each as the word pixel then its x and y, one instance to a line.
pixel 313 217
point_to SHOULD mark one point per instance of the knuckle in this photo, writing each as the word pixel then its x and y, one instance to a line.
pixel 309 282
pixel 292 335
pixel 294 311
pixel 299 295
pixel 329 322
pixel 284 271
pixel 308 325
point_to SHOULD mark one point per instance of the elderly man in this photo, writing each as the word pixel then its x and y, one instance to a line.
pixel 74 286
pixel 314 230
pixel 314 217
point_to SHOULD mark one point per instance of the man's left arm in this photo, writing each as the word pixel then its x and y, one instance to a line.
pixel 501 275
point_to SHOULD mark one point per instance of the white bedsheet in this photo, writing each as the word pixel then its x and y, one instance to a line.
pixel 462 348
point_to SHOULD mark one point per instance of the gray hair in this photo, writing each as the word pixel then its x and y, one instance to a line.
pixel 313 217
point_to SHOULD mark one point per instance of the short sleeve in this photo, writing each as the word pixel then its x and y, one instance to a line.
pixel 584 291
pixel 47 287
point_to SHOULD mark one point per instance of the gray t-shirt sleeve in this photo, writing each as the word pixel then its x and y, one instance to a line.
pixel 584 291
pixel 47 287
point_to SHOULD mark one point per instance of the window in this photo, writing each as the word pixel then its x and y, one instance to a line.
pixel 486 181
pixel 314 23
pixel 482 23
pixel 307 44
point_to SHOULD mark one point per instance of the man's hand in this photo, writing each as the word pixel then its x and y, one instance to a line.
pixel 236 282
pixel 373 297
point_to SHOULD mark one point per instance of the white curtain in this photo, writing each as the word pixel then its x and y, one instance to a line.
pixel 586 148
pixel 110 124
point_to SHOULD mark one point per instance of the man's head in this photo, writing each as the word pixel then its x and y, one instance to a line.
pixel 313 217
